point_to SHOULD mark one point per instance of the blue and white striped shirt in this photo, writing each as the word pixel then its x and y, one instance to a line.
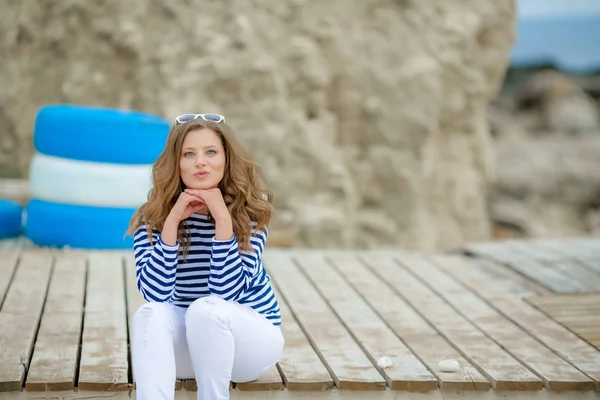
pixel 211 266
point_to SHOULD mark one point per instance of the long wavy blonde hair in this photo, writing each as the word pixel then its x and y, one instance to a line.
pixel 247 199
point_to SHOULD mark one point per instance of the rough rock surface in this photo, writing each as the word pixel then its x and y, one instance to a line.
pixel 546 130
pixel 561 105
pixel 368 117
pixel 548 186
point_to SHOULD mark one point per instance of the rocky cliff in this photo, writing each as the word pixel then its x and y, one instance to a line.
pixel 368 117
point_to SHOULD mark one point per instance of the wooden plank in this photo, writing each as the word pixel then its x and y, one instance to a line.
pixel 348 365
pixel 19 318
pixel 408 325
pixel 191 385
pixel 300 366
pixel 552 278
pixel 507 279
pixel 16 244
pixel 571 258
pixel 577 312
pixel 271 380
pixel 104 348
pixel 56 354
pixel 555 249
pixel 556 373
pixel 529 267
pixel 572 249
pixel 563 342
pixel 530 248
pixel 504 372
pixel 377 340
pixel 559 308
pixel 590 262
pixel 563 300
pixel 590 246
pixel 588 279
pixel 8 264
pixel 12 244
pixel 134 298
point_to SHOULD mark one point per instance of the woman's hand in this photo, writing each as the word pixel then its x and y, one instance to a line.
pixel 186 205
pixel 213 200
pixel 218 209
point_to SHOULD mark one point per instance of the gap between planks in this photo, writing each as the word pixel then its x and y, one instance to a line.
pixel 377 340
pixel 538 324
pixel 555 372
pixel 55 362
pixel 20 318
pixel 405 322
pixel 104 365
pixel 503 371
pixel 350 368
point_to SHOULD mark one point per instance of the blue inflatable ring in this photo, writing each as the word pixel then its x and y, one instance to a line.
pixel 86 227
pixel 99 134
pixel 10 219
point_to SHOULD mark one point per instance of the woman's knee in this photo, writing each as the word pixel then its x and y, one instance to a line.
pixel 151 312
pixel 208 309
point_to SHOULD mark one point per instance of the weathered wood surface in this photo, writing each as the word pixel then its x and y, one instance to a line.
pixel 350 368
pixel 300 365
pixel 65 320
pixel 412 328
pixel 377 340
pixel 55 360
pixel 539 325
pixel 579 314
pixel 19 318
pixel 503 370
pixel 556 373
pixel 104 364
pixel 568 266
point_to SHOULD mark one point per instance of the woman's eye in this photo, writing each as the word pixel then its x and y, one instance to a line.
pixel 211 152
pixel 188 154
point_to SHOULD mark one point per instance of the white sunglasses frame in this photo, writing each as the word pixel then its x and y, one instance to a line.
pixel 201 116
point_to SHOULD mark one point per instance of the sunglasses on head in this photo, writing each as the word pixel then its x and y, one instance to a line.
pixel 206 117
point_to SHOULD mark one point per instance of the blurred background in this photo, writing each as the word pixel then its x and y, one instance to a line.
pixel 378 124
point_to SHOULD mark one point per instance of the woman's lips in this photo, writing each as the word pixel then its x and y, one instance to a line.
pixel 201 174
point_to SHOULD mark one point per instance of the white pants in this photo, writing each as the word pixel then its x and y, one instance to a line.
pixel 214 341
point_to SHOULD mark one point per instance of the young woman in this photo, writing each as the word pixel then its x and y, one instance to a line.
pixel 211 314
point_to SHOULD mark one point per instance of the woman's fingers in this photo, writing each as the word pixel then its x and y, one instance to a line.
pixel 192 199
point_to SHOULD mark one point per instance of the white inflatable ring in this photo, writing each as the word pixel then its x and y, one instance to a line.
pixel 99 134
pixel 67 181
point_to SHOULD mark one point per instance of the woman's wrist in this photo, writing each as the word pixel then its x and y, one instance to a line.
pixel 223 227
pixel 169 232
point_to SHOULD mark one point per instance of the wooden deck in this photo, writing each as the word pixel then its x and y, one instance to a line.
pixel 521 317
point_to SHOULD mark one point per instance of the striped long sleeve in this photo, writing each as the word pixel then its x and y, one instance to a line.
pixel 232 271
pixel 156 266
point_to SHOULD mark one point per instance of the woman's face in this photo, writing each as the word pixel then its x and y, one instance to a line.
pixel 202 159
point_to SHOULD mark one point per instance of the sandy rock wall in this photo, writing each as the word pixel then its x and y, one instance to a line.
pixel 547 141
pixel 368 117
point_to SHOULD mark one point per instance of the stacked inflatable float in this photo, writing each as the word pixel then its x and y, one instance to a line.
pixel 10 219
pixel 91 170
